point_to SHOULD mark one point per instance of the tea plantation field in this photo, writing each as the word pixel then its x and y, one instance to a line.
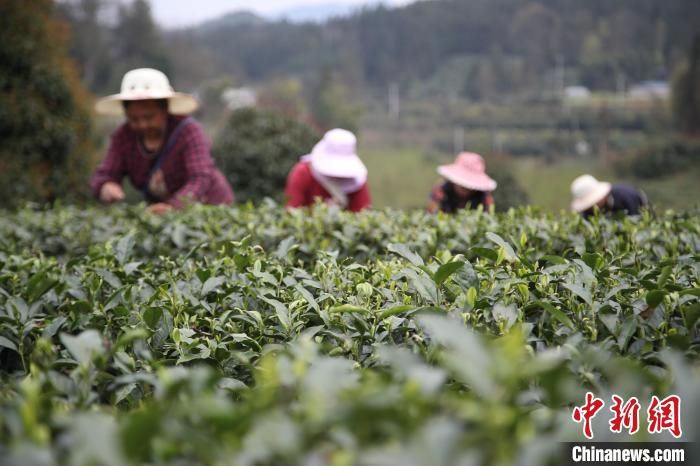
pixel 256 336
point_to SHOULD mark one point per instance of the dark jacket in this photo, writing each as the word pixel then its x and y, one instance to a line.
pixel 446 200
pixel 624 198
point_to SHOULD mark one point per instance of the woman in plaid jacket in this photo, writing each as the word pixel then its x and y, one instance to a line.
pixel 165 154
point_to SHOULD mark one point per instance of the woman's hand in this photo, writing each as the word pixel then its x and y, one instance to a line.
pixel 159 208
pixel 111 192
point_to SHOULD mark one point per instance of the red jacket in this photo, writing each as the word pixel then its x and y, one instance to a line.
pixel 302 190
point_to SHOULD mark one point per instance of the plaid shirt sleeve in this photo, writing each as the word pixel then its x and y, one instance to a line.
pixel 199 166
pixel 113 167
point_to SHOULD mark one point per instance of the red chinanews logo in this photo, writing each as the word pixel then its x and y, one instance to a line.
pixel 661 415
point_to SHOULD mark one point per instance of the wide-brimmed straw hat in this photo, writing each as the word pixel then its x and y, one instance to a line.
pixel 468 171
pixel 587 192
pixel 336 156
pixel 147 84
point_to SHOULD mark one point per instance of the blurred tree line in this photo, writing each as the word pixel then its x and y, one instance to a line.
pixel 686 92
pixel 677 152
pixel 521 44
pixel 505 47
pixel 109 38
pixel 45 148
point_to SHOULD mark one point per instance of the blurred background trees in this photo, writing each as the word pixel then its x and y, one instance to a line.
pixel 256 149
pixel 45 123
pixel 598 43
pixel 332 104
pixel 686 93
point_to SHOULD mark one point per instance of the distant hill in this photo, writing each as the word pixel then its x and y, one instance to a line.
pixel 504 44
pixel 310 13
pixel 231 20
pixel 316 13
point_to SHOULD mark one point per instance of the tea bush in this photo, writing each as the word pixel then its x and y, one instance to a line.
pixel 253 336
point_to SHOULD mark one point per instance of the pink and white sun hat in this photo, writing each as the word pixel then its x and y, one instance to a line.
pixel 147 84
pixel 587 192
pixel 336 156
pixel 468 171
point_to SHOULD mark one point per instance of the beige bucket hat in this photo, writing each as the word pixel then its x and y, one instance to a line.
pixel 587 191
pixel 146 84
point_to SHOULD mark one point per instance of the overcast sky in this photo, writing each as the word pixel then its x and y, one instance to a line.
pixel 172 13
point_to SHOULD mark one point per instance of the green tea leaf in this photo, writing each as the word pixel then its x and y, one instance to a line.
pixel 211 284
pixel 396 310
pixel 471 297
pixel 109 277
pixel 151 316
pixel 131 267
pixel 17 306
pixel 629 327
pixel 579 291
pixel 423 284
pixel 555 313
pixel 284 247
pixel 508 313
pixel 94 438
pixel 54 326
pixel 123 249
pixel 128 337
pixel 655 297
pixel 137 431
pixel 556 260
pixel 445 270
pixel 348 308
pixel 594 260
pixel 7 343
pixel 663 276
pixel 691 291
pixel 403 251
pixel 38 285
pixel 282 312
pixel 466 276
pixel 462 345
pixel 308 297
pixel 691 315
pixel 487 253
pixel 84 346
pixel 510 255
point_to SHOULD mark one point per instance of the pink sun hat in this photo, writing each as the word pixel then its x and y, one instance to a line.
pixel 335 156
pixel 468 171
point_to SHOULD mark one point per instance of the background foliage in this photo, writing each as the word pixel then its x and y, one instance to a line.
pixel 686 97
pixel 257 148
pixel 45 151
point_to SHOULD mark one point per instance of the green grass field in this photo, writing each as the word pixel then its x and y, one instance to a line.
pixel 400 178
pixel 548 185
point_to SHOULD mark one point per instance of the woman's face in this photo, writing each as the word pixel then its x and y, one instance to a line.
pixel 462 191
pixel 147 118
